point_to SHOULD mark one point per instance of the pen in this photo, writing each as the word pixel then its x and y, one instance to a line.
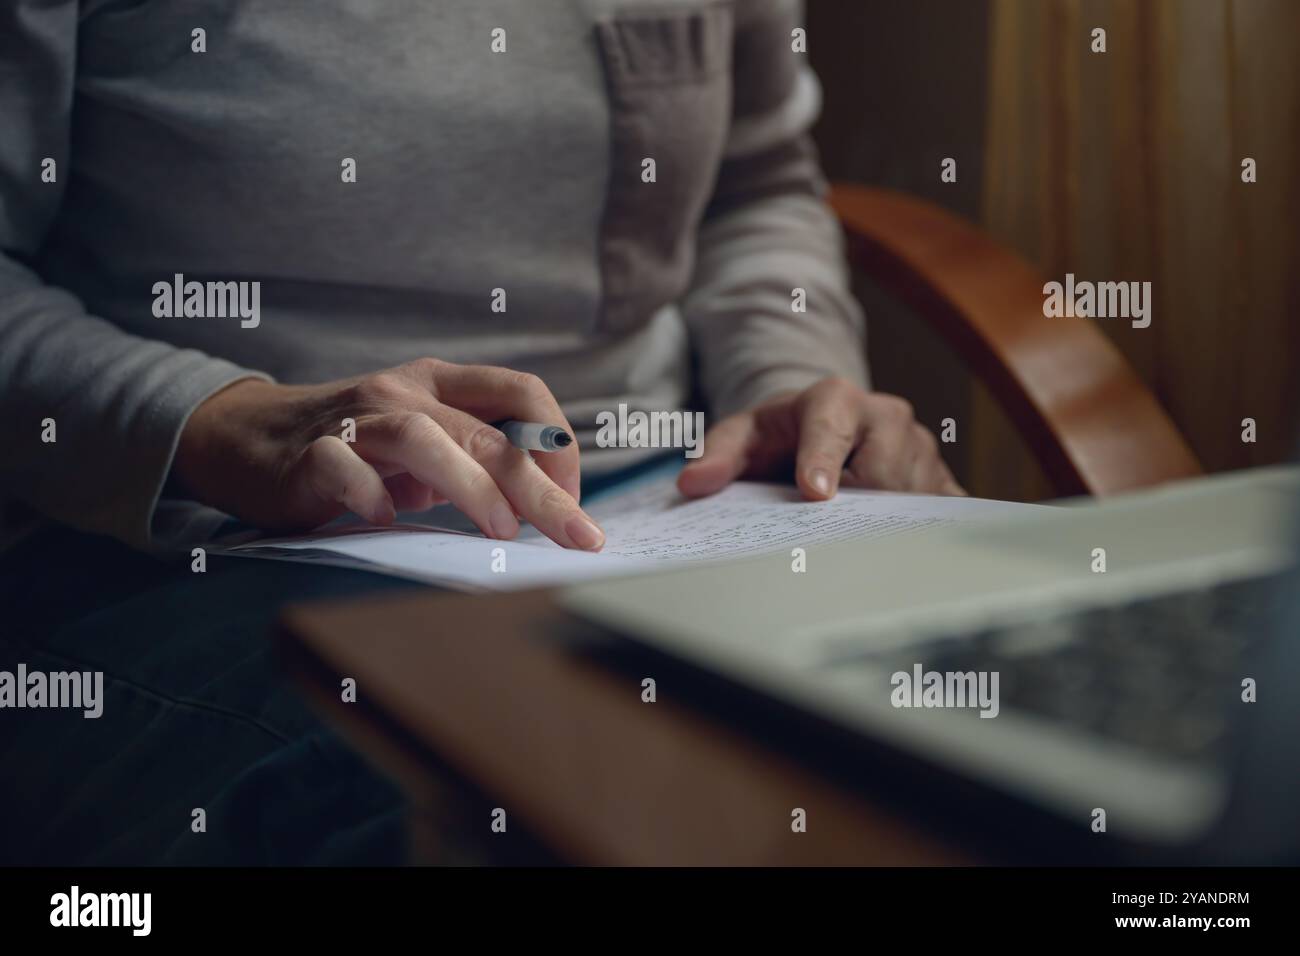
pixel 534 436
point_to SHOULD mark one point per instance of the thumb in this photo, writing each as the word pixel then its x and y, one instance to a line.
pixel 726 456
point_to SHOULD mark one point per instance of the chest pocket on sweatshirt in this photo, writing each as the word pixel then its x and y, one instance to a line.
pixel 669 80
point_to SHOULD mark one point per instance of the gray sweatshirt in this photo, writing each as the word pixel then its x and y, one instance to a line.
pixel 467 179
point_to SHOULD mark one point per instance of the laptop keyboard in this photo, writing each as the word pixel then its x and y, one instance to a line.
pixel 1159 674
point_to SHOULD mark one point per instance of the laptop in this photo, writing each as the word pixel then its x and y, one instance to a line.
pixel 1119 678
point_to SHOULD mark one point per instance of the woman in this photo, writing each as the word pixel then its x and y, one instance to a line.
pixel 448 215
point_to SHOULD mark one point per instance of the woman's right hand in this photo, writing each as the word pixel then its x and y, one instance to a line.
pixel 274 455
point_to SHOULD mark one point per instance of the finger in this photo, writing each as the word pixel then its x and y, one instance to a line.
pixel 943 483
pixel 422 448
pixel 928 470
pixel 490 394
pixel 929 478
pixel 334 472
pixel 884 459
pixel 726 455
pixel 939 480
pixel 531 492
pixel 830 423
pixel 930 473
pixel 947 484
pixel 410 494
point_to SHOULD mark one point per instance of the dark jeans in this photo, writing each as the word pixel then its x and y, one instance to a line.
pixel 196 714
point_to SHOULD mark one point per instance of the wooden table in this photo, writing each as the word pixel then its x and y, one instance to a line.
pixel 487 691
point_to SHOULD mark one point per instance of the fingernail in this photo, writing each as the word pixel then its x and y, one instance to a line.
pixel 502 521
pixel 583 532
pixel 820 481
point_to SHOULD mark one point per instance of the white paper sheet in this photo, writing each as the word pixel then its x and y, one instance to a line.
pixel 645 528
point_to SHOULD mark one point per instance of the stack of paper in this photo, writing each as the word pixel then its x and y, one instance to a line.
pixel 645 528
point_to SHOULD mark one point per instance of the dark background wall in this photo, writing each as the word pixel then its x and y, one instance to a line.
pixel 905 86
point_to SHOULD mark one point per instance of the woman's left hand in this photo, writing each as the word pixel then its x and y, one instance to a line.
pixel 831 432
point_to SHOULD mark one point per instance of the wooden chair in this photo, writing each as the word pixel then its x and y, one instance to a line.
pixel 1090 421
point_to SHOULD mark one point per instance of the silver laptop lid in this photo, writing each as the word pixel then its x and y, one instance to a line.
pixel 1262 822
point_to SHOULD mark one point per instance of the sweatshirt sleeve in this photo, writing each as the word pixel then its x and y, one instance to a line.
pixel 768 232
pixel 89 415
